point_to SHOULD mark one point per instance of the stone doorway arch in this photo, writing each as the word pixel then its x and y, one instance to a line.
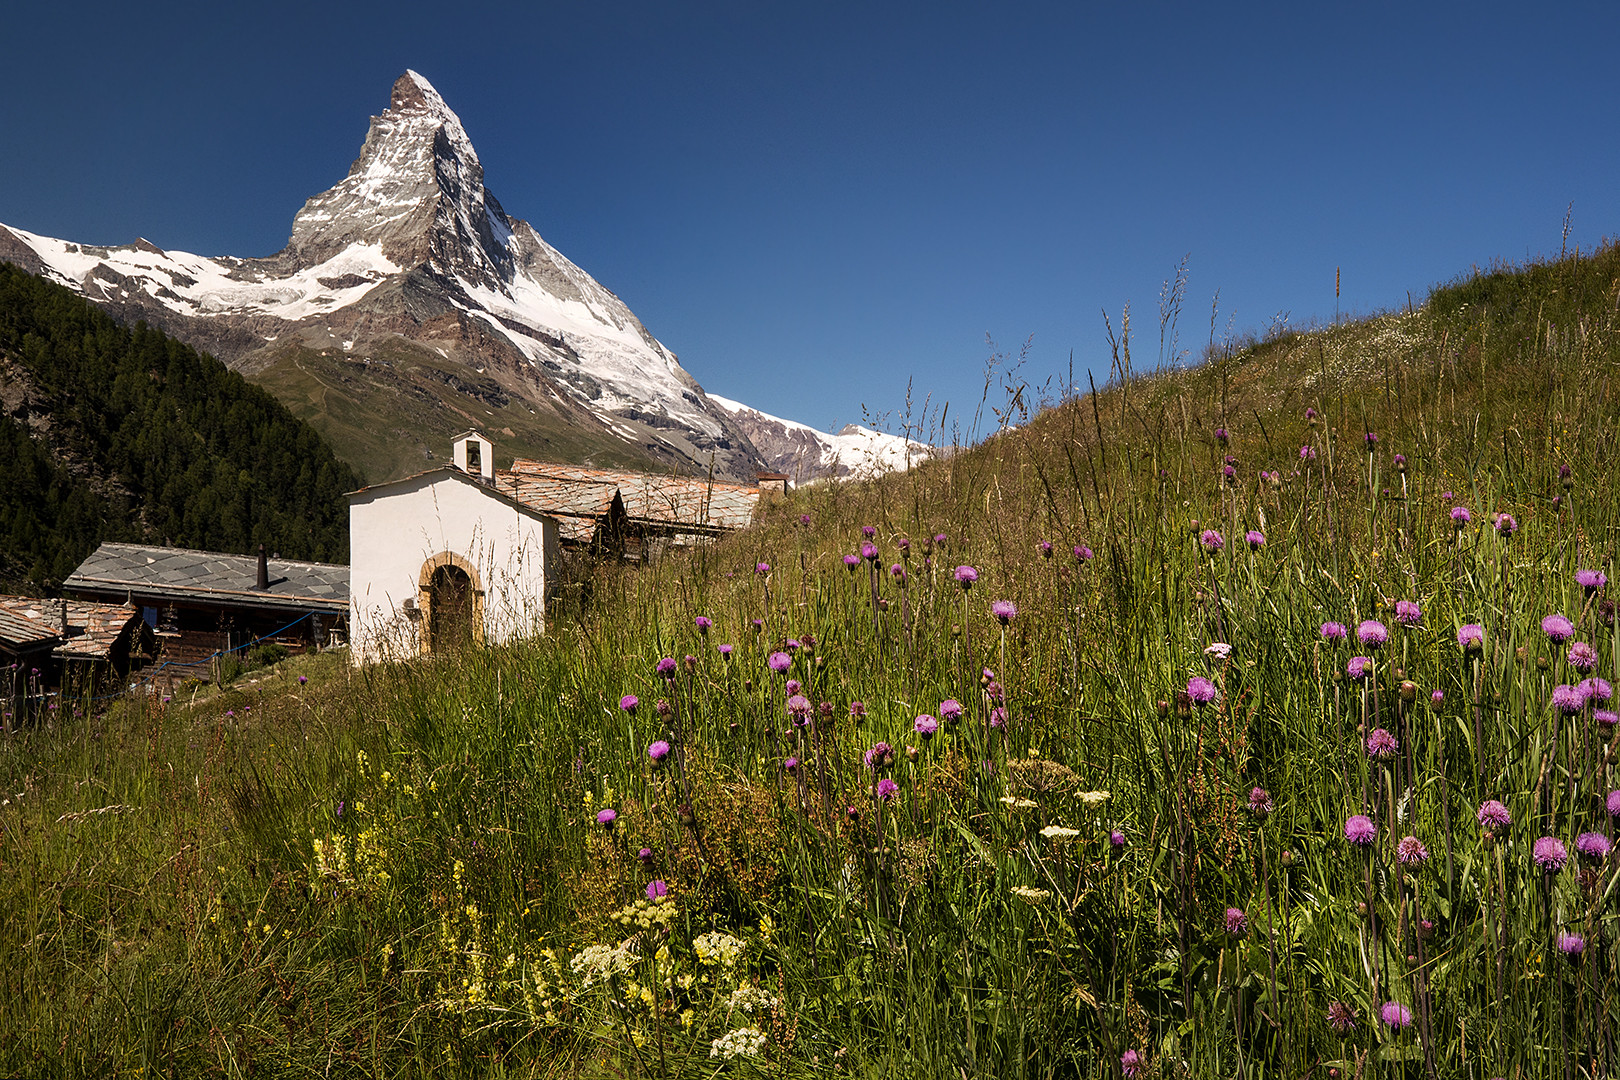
pixel 451 597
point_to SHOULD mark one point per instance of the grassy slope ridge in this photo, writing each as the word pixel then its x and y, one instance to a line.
pixel 402 871
pixel 127 434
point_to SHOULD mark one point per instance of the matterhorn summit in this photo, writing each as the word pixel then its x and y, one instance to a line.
pixel 409 305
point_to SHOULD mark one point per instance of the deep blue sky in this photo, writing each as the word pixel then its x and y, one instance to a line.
pixel 813 203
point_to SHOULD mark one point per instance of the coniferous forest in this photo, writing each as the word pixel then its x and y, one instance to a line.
pixel 116 433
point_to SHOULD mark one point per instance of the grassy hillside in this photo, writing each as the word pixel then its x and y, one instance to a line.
pixel 126 434
pixel 1075 774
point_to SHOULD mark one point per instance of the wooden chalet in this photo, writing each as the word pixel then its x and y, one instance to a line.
pixel 46 645
pixel 198 603
pixel 647 513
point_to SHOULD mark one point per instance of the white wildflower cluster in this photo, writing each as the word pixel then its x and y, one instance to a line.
pixel 595 963
pixel 1018 803
pixel 646 914
pixel 746 1042
pixel 1034 896
pixel 749 999
pixel 716 949
pixel 1093 798
pixel 1059 832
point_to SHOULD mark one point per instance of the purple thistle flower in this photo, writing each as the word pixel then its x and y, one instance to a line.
pixel 1045 548
pixel 1557 628
pixel 629 702
pixel 1407 613
pixel 857 710
pixel 1255 539
pixel 645 855
pixel 1571 945
pixel 1582 657
pixel 1550 854
pixel 1237 923
pixel 1460 517
pixel 1372 633
pixel 1596 689
pixel 607 817
pixel 880 756
pixel 1229 472
pixel 793 686
pixel 853 562
pixel 1591 580
pixel 758 624
pixel 1471 637
pixel 998 718
pixel 666 667
pixel 1400 462
pixel 869 552
pixel 925 726
pixel 1116 839
pixel 1381 745
pixel 779 662
pixel 1411 852
pixel 1568 700
pixel 1004 611
pixel 897 572
pixel 1082 553
pixel 1493 815
pixel 1436 698
pixel 966 576
pixel 939 539
pixel 1341 1017
pixel 1201 690
pixel 1506 525
pixel 663 707
pixel 1395 1015
pixel 1307 453
pixel 1372 441
pixel 1607 718
pixel 1310 414
pixel 762 568
pixel 804 520
pixel 1222 436
pixel 1212 540
pixel 869 531
pixel 724 650
pixel 951 709
pixel 887 789
pixel 656 888
pixel 1334 633
pixel 799 708
pixel 1130 1064
pixel 703 623
pixel 658 751
pixel 1593 845
pixel 1612 804
pixel 302 679
pixel 790 764
pixel 1359 667
pixel 1260 803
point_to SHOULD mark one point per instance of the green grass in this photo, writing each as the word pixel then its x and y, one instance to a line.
pixel 400 871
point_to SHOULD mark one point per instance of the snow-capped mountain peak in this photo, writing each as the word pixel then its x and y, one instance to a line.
pixel 410 256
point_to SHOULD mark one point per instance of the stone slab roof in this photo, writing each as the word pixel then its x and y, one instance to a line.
pixel 209 577
pixel 578 505
pixel 93 629
pixel 677 502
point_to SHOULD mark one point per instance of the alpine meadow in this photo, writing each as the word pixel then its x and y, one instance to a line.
pixel 1246 718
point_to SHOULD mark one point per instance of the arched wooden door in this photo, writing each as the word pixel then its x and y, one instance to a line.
pixel 450 609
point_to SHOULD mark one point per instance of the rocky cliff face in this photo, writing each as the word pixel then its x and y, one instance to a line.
pixel 401 287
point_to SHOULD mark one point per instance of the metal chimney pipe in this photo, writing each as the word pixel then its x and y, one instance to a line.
pixel 263 584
